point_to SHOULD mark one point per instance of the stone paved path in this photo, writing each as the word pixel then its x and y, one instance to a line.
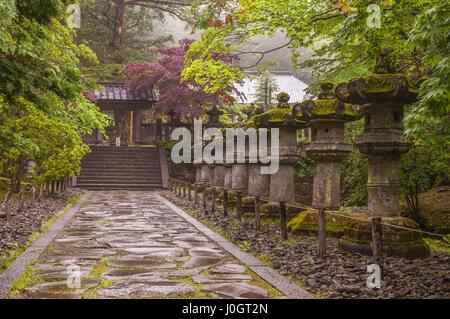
pixel 131 245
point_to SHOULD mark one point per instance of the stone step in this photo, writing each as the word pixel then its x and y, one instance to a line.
pixel 123 186
pixel 120 168
pixel 118 165
pixel 147 159
pixel 137 179
pixel 128 150
pixel 113 173
pixel 118 182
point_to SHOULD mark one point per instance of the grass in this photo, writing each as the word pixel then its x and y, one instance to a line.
pixel 438 246
pixel 8 257
pixel 26 279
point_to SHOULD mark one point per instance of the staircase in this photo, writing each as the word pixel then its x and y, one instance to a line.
pixel 116 168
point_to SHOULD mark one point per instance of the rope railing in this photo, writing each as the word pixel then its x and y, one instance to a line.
pixel 299 206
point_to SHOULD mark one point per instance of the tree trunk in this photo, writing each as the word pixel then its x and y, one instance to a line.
pixel 119 14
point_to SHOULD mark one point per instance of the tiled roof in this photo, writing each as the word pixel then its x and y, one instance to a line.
pixel 117 92
pixel 287 82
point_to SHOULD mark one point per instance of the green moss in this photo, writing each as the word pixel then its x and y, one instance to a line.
pixel 383 83
pixel 93 292
pixel 306 223
pixel 326 108
pixel 438 246
pixel 100 268
pixel 279 117
pixel 25 280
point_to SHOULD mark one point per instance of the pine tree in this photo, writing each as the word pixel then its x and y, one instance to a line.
pixel 266 90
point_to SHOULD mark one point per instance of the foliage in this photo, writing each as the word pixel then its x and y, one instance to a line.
pixel 416 177
pixel 177 98
pixel 305 164
pixel 345 45
pixel 43 110
pixel 354 170
pixel 431 35
pixel 137 39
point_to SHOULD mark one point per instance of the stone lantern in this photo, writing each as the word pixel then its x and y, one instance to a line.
pixel 327 117
pixel 383 95
pixel 282 182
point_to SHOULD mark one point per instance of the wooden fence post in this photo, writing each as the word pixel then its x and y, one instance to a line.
pixel 195 194
pixel 283 221
pixel 238 206
pixel 213 200
pixel 322 220
pixel 33 193
pixel 8 196
pixel 41 191
pixel 189 192
pixel 47 188
pixel 22 198
pixel 204 199
pixel 257 213
pixel 225 202
pixel 377 242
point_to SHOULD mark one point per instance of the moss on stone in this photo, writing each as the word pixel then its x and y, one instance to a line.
pixel 326 108
pixel 306 223
pixel 279 117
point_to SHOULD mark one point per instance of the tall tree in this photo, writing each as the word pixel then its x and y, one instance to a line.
pixel 121 31
pixel 266 89
pixel 43 112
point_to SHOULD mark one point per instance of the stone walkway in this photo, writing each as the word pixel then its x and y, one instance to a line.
pixel 132 245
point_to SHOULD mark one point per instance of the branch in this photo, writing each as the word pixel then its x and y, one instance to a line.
pixel 262 53
pixel 172 12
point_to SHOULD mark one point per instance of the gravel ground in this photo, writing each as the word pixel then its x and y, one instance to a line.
pixel 20 226
pixel 339 274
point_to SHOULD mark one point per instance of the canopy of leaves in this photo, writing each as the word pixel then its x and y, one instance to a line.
pixel 345 45
pixel 183 99
pixel 43 110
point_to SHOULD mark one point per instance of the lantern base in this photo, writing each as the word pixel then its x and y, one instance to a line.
pixel 396 242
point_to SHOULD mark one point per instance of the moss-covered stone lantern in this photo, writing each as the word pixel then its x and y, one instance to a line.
pixel 327 117
pixel 383 95
pixel 282 182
